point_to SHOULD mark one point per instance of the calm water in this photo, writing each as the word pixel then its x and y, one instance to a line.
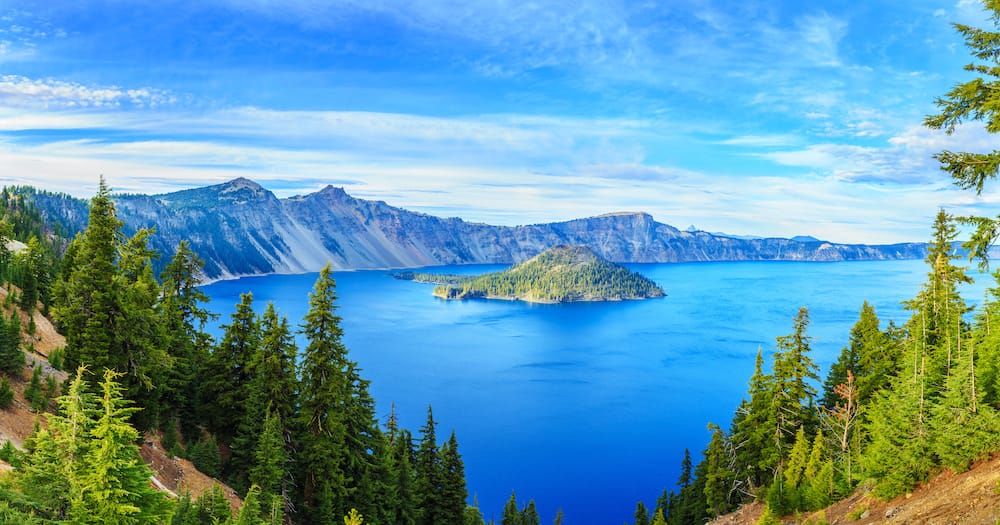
pixel 585 407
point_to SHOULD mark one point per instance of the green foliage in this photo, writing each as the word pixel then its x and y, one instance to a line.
pixel 205 456
pixel 453 491
pixel 323 395
pixel 86 467
pixel 641 514
pixel 974 100
pixel 561 274
pixel 6 393
pixel 768 517
pixel 11 356
pixel 10 454
pixel 51 390
pixel 184 320
pixel 271 462
pixel 353 518
pixel 34 393
pixel 473 516
pixel 56 358
pixel 106 304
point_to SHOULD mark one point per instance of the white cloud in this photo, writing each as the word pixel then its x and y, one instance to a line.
pixel 21 91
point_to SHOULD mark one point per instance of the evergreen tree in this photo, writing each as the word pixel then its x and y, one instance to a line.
pixel 899 454
pixel 86 467
pixel 453 491
pixel 114 486
pixel 963 428
pixel 641 514
pixel 718 475
pixel 271 386
pixel 974 99
pixel 11 356
pixel 107 305
pixel 429 475
pixel 529 515
pixel 184 321
pixel 228 376
pixel 324 389
pixel 34 393
pixel 33 274
pixel 753 430
pixel 403 510
pixel 511 515
pixel 87 296
pixel 870 355
pixel 794 372
pixel 271 463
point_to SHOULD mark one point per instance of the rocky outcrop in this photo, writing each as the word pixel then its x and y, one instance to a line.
pixel 240 228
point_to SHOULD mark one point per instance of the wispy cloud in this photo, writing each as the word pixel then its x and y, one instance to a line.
pixel 20 91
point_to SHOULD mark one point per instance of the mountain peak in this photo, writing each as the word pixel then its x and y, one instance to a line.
pixel 239 184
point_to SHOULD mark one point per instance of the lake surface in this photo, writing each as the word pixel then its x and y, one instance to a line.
pixel 585 407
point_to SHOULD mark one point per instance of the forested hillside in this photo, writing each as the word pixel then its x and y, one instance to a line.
pixel 900 403
pixel 295 432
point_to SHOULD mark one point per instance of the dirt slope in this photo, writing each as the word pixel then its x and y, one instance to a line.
pixel 173 475
pixel 972 497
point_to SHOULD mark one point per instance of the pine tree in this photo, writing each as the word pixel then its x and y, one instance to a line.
pixel 34 391
pixel 641 514
pixel 794 372
pixel 107 305
pixel 899 454
pixel 271 464
pixel 529 515
pixel 405 510
pixel 87 295
pixel 453 491
pixel 86 467
pixel 228 376
pixel 974 100
pixel 511 515
pixel 718 475
pixel 429 474
pixel 184 322
pixel 324 387
pixel 115 485
pixel 11 357
pixel 271 386
pixel 753 431
pixel 32 262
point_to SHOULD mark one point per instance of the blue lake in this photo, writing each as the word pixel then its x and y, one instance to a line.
pixel 585 407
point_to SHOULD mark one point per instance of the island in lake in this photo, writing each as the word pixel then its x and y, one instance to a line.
pixel 559 275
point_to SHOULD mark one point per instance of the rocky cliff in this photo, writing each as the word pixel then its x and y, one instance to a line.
pixel 240 228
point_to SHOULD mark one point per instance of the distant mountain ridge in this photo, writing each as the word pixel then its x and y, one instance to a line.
pixel 240 228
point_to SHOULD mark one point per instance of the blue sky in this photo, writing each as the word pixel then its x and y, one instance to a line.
pixel 770 118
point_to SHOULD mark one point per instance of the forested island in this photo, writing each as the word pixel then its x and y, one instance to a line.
pixel 562 274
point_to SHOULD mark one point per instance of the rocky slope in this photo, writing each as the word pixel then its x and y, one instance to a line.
pixel 240 228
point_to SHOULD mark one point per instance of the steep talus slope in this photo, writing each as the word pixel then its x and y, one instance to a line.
pixel 240 228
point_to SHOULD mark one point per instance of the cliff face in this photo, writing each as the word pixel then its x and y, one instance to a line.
pixel 240 228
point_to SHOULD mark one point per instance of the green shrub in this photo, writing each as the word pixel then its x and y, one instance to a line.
pixel 56 358
pixel 6 393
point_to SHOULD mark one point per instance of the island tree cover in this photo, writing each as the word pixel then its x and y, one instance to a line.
pixel 295 433
pixel 560 274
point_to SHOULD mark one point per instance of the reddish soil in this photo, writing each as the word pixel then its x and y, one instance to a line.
pixel 971 497
pixel 173 475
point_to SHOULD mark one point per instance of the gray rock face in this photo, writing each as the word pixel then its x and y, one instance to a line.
pixel 240 228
